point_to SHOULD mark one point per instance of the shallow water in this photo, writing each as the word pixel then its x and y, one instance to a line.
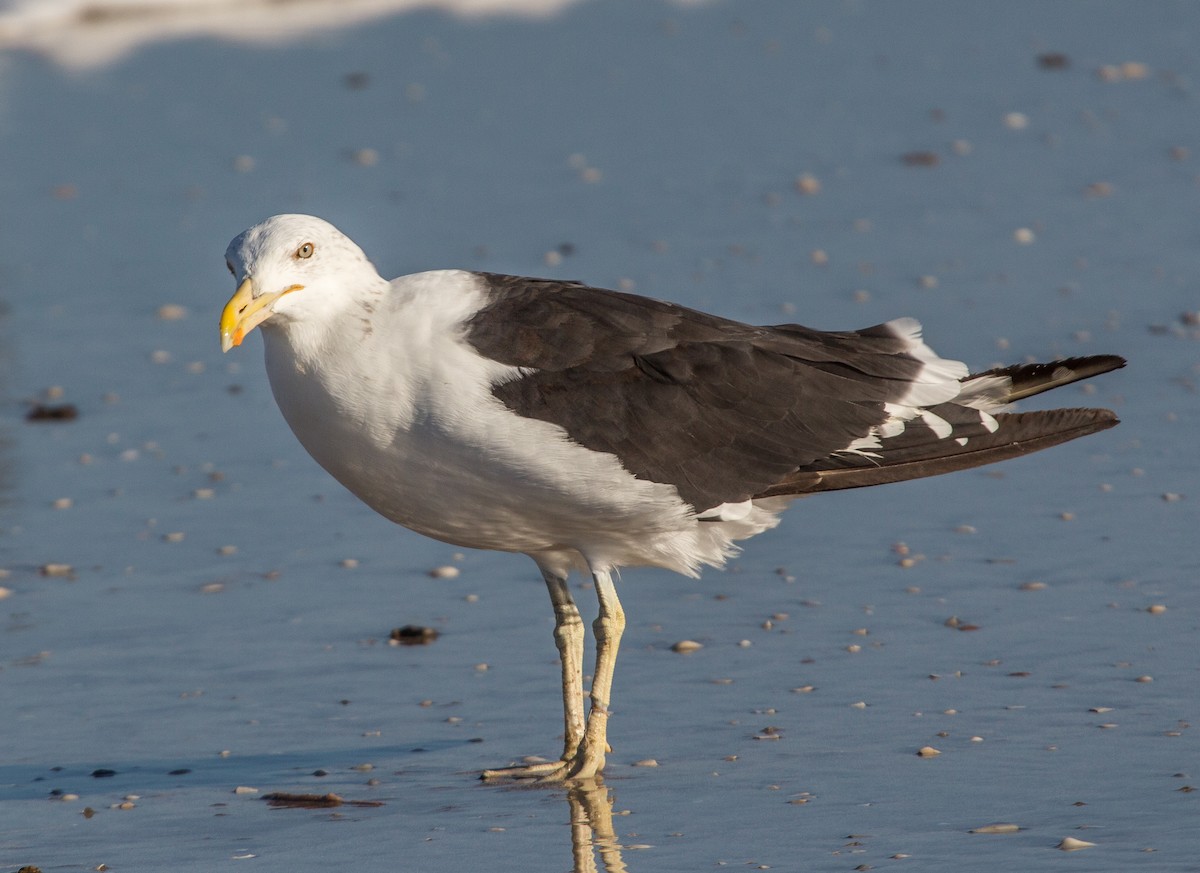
pixel 656 146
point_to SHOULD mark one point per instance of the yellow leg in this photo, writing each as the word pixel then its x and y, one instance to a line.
pixel 607 628
pixel 568 636
pixel 585 745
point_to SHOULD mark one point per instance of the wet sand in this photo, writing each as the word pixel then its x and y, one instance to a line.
pixel 195 616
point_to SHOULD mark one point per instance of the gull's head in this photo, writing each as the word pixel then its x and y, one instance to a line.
pixel 290 268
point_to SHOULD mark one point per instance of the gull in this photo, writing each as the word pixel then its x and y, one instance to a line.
pixel 592 429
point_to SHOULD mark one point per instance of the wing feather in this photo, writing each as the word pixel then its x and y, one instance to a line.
pixel 719 409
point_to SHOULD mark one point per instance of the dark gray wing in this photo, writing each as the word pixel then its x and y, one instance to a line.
pixel 918 452
pixel 721 410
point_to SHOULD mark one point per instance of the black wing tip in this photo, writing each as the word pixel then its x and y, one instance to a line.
pixel 1086 365
pixel 1026 380
pixel 1115 362
pixel 1092 365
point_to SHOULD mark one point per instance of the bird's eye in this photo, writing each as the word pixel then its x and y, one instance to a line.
pixel 305 251
pixel 229 267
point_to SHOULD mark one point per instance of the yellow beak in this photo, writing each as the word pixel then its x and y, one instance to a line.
pixel 244 312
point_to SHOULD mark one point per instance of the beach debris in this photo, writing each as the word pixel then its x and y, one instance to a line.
pixel 1053 61
pixel 287 800
pixel 959 624
pixel 921 159
pixel 412 635
pixel 54 412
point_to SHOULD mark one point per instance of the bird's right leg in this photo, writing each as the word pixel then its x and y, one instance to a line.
pixel 569 638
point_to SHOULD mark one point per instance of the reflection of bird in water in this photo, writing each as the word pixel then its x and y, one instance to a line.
pixel 591 429
pixel 592 831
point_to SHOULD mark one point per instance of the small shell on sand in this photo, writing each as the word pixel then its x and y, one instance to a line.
pixel 808 184
pixel 1070 844
pixel 998 828
pixel 928 752
pixel 685 647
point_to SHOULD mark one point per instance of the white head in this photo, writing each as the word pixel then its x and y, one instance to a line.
pixel 291 268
